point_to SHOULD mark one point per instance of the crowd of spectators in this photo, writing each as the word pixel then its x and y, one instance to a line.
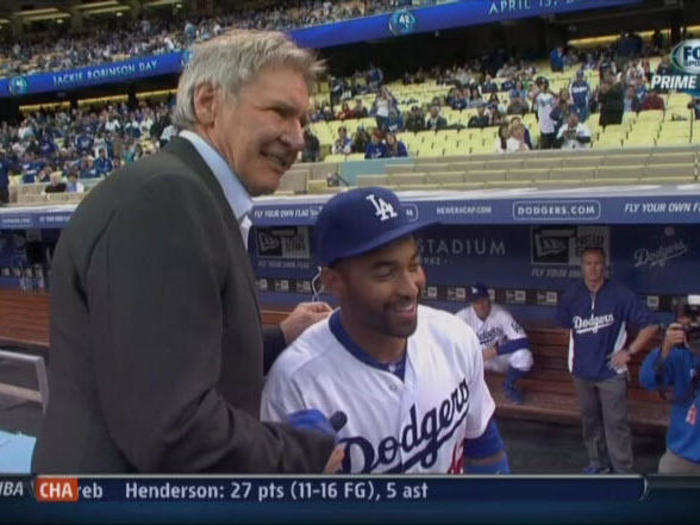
pixel 112 39
pixel 80 143
pixel 90 143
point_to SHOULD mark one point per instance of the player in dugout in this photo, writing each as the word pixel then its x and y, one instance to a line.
pixel 401 384
pixel 504 344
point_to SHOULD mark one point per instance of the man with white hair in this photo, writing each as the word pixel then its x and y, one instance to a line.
pixel 157 349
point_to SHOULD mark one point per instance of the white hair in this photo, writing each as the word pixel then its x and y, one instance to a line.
pixel 234 59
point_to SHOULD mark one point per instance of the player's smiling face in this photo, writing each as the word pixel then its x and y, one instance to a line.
pixel 379 291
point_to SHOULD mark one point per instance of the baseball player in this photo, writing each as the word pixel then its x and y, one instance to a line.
pixel 402 384
pixel 504 344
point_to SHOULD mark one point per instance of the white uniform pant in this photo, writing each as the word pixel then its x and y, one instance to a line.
pixel 520 359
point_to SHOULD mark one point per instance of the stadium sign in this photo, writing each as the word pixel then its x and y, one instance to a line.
pixel 685 60
pixel 402 22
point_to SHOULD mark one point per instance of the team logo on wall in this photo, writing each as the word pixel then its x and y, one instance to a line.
pixel 667 247
pixel 18 85
pixel 565 244
pixel 402 22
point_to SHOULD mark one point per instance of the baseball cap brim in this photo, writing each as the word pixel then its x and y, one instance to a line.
pixel 382 240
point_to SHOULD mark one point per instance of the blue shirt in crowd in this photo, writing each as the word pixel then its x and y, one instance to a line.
pixel 677 371
pixel 598 324
pixel 375 150
pixel 103 166
pixel 580 93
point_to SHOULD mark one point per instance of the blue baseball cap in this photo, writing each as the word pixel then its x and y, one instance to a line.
pixel 478 291
pixel 359 221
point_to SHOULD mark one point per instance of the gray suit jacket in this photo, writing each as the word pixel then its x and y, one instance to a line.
pixel 156 359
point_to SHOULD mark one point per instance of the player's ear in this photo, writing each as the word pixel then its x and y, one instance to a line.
pixel 332 281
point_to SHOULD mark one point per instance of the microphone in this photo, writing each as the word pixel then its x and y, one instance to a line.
pixel 338 420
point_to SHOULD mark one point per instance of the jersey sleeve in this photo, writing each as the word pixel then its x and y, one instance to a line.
pixel 481 404
pixel 281 394
pixel 511 328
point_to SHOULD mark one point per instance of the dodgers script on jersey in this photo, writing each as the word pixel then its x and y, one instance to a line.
pixel 417 425
pixel 497 328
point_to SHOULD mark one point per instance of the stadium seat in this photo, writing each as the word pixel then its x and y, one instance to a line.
pixel 371 180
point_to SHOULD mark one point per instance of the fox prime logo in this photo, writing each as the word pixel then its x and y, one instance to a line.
pixel 685 58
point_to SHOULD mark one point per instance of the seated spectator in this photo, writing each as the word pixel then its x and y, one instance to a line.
pixel 519 91
pixel 502 138
pixel 345 112
pixel 528 139
pixel 103 164
pixel 516 141
pixel 327 112
pixel 631 101
pixel 653 101
pixel 134 153
pixel 360 140
pixel 45 174
pixel 312 146
pixel 494 106
pixel 517 106
pixel 675 366
pixel 376 148
pixel 456 99
pixel 435 121
pixel 480 120
pixel 360 111
pixel 562 109
pixel 56 185
pixel 489 86
pixel 415 121
pixel 343 144
pixel 394 147
pixel 394 121
pixel 574 134
pixel 87 168
pixel 74 186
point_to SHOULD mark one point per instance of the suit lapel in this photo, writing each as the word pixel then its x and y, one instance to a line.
pixel 187 153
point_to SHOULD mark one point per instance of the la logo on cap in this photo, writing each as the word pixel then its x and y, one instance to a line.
pixel 384 210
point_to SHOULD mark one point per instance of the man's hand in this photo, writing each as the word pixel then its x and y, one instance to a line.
pixel 675 336
pixel 621 358
pixel 303 316
pixel 490 352
pixel 335 460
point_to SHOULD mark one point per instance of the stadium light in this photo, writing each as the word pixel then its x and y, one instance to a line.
pixel 33 12
pixel 48 16
pixel 117 9
pixel 97 5
pixel 159 3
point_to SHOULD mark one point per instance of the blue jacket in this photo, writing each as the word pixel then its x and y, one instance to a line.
pixel 580 93
pixel 677 371
pixel 103 166
pixel 375 151
pixel 598 326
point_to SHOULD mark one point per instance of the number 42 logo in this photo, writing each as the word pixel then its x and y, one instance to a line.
pixel 383 209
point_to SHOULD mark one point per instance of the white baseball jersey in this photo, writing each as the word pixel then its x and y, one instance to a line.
pixel 417 425
pixel 497 328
